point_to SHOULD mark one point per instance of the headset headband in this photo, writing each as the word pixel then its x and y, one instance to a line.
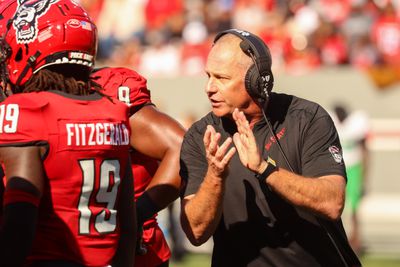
pixel 252 42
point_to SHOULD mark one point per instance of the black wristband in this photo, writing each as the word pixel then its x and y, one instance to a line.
pixel 145 208
pixel 271 167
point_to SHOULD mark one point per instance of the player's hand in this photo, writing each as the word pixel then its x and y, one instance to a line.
pixel 218 156
pixel 245 143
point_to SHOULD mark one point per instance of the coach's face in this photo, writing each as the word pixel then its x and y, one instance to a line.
pixel 226 68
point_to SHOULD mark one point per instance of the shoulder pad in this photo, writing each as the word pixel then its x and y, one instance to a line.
pixel 106 75
pixel 124 84
pixel 27 100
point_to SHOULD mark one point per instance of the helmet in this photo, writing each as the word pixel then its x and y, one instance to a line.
pixel 35 34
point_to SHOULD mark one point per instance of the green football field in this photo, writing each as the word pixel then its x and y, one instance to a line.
pixel 203 260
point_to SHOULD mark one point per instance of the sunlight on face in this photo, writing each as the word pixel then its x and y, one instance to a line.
pixel 226 67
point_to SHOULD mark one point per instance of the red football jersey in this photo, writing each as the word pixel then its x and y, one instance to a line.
pixel 87 140
pixel 130 87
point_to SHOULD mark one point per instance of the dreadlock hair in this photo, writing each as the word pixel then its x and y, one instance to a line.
pixel 68 78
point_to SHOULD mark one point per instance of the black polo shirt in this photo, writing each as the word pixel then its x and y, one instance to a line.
pixel 258 228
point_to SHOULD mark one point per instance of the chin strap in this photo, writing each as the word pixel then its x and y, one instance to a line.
pixel 30 64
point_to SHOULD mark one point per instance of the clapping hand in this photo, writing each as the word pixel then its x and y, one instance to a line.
pixel 245 142
pixel 218 156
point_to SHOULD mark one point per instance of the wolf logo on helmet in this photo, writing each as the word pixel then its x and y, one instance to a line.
pixel 36 34
pixel 26 16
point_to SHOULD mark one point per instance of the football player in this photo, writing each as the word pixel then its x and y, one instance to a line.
pixel 64 145
pixel 156 138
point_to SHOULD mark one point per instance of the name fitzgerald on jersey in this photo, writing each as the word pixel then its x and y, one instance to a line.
pixel 94 134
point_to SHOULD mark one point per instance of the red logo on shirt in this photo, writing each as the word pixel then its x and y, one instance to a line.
pixel 272 139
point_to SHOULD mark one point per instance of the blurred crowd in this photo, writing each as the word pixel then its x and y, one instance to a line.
pixel 172 37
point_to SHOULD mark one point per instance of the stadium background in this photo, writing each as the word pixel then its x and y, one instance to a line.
pixel 328 51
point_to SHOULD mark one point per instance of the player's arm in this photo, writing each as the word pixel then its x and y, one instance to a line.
pixel 127 221
pixel 23 190
pixel 159 136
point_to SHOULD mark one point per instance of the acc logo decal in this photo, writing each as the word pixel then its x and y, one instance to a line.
pixel 26 17
pixel 73 23
pixel 336 154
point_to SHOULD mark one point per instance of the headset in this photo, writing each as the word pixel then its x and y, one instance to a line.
pixel 259 80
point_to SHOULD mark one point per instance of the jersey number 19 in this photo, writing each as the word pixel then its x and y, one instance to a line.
pixel 104 221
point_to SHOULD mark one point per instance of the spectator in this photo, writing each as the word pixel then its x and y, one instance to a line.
pixel 160 59
pixel 353 131
pixel 195 47
pixel 386 36
pixel 155 140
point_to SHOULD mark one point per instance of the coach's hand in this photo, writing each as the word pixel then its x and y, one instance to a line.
pixel 246 144
pixel 217 156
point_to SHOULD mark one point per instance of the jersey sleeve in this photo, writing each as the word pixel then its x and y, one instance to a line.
pixel 322 152
pixel 21 121
pixel 124 84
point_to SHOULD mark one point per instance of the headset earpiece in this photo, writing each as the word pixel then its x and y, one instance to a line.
pixel 259 80
pixel 251 81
